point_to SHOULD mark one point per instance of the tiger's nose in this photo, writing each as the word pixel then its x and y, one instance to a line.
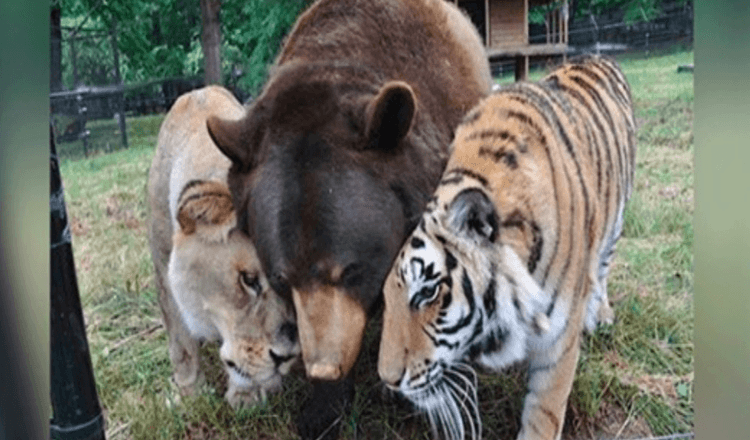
pixel 391 376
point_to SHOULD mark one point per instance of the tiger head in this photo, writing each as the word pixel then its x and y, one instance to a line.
pixel 455 292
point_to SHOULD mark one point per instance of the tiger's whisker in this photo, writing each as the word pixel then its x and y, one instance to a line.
pixel 471 411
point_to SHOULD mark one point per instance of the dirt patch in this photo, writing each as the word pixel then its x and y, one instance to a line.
pixel 123 214
pixel 610 422
pixel 79 227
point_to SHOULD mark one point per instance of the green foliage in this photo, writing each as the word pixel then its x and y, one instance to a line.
pixel 252 32
pixel 162 38
pixel 634 10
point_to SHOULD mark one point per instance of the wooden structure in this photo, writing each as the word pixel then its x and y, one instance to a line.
pixel 504 24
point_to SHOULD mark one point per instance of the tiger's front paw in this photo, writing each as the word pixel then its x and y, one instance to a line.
pixel 605 315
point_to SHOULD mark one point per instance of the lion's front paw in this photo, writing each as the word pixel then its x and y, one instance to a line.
pixel 177 391
pixel 243 397
pixel 239 396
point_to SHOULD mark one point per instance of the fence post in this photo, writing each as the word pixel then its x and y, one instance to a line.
pixel 118 80
pixel 75 403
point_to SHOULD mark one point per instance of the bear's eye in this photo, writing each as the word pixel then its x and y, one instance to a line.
pixel 250 283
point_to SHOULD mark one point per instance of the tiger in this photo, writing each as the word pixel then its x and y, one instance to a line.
pixel 510 258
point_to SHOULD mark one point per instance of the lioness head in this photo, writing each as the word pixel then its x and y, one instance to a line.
pixel 222 293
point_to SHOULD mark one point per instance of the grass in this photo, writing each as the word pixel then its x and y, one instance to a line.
pixel 634 379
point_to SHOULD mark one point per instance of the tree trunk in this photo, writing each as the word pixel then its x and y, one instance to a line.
pixel 55 51
pixel 211 40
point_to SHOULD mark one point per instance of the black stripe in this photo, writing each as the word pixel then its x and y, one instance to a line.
pixel 542 99
pixel 489 296
pixel 472 117
pixel 450 261
pixel 536 247
pixel 500 154
pixel 201 195
pixel 587 243
pixel 440 342
pixel 490 342
pixel 599 101
pixel 528 121
pixel 470 173
pixel 417 243
pixel 468 291
pixel 453 180
pixel 189 185
pixel 492 134
pixel 553 418
pixel 593 116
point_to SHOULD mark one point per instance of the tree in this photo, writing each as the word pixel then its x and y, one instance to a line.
pixel 55 49
pixel 211 40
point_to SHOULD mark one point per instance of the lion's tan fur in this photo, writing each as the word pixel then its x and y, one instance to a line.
pixel 199 257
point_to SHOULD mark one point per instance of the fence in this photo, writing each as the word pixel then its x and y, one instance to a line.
pixel 607 33
pixel 90 117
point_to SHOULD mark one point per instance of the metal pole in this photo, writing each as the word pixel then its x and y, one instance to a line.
pixel 75 403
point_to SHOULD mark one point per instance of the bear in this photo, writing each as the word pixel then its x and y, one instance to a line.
pixel 334 161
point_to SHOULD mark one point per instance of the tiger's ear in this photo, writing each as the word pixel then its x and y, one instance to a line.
pixel 205 208
pixel 471 213
pixel 389 115
pixel 237 139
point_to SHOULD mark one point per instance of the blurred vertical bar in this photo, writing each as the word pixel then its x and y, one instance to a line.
pixel 75 404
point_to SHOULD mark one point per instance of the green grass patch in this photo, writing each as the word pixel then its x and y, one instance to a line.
pixel 634 378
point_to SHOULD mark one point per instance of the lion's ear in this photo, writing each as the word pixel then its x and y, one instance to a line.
pixel 237 139
pixel 389 115
pixel 205 208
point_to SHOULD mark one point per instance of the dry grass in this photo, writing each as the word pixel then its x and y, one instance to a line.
pixel 635 378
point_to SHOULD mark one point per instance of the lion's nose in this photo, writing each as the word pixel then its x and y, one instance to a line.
pixel 289 330
pixel 277 359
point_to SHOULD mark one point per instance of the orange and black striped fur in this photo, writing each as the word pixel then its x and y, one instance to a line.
pixel 510 259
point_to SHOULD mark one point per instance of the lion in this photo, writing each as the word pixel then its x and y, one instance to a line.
pixel 211 286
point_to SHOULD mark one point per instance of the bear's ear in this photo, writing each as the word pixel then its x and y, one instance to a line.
pixel 389 115
pixel 237 139
pixel 205 208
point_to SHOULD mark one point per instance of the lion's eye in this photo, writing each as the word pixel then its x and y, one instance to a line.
pixel 250 283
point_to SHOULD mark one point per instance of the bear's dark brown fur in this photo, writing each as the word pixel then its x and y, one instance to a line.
pixel 337 157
